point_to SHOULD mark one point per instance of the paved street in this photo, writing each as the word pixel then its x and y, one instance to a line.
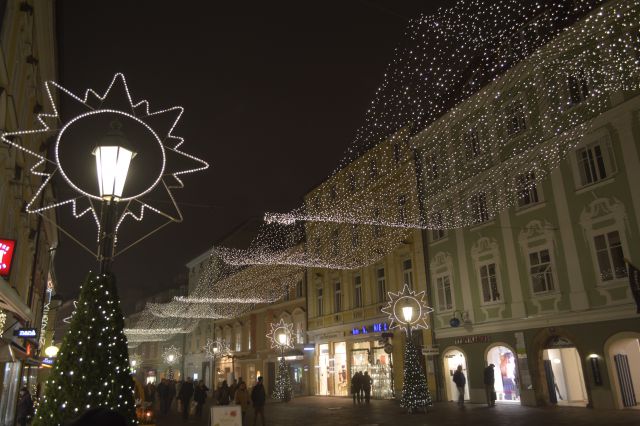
pixel 330 411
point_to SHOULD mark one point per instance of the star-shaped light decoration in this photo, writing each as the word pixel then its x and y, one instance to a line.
pixel 407 310
pixel 279 329
pixel 171 355
pixel 155 180
pixel 216 348
pixel 135 361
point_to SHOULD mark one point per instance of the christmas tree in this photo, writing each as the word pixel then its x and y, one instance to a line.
pixel 415 391
pixel 283 390
pixel 92 367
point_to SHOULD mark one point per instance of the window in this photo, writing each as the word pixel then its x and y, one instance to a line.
pixel 337 294
pixel 431 167
pixel 407 273
pixel 355 236
pixel 299 290
pixel 472 144
pixel 527 190
pixel 373 169
pixel 238 339
pixel 578 85
pixel 333 192
pixel 445 302
pixel 335 242
pixel 382 291
pixel 396 153
pixel 516 122
pixel 438 223
pixel 377 229
pixel 489 283
pixel 593 163
pixel 540 269
pixel 353 182
pixel 610 256
pixel 402 208
pixel 357 291
pixel 299 333
pixel 319 301
pixel 479 210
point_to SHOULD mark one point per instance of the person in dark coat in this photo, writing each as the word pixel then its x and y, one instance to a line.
pixel 489 382
pixel 224 394
pixel 355 387
pixel 25 407
pixel 162 390
pixel 366 386
pixel 200 396
pixel 460 381
pixel 258 398
pixel 186 392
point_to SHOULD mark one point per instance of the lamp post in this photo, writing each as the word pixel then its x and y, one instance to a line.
pixel 113 159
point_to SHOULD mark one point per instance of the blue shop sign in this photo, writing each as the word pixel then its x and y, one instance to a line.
pixel 373 328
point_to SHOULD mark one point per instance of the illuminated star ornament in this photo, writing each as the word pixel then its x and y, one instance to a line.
pixel 280 335
pixel 407 310
pixel 156 152
pixel 216 348
pixel 171 355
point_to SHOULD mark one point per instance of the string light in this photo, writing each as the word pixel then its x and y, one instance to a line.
pixel 216 348
pixel 280 335
pixel 407 310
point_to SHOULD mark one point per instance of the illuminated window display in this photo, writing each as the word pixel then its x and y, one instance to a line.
pixel 379 368
pixel 506 373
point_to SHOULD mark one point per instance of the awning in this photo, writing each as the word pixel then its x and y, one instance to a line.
pixel 11 301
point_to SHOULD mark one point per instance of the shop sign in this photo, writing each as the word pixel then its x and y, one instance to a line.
pixel 7 248
pixel 466 340
pixel 378 327
pixel 329 336
pixel 47 361
pixel 25 332
pixel 431 350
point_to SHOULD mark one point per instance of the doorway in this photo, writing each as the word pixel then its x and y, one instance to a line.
pixel 506 374
pixel 624 361
pixel 564 377
pixel 452 359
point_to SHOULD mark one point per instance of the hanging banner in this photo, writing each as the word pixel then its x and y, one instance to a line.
pixel 7 248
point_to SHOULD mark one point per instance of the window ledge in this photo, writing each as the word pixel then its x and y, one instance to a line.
pixel 492 304
pixel 546 294
pixel 530 207
pixel 598 184
pixel 617 282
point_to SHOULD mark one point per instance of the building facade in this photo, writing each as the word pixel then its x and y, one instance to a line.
pixel 27 59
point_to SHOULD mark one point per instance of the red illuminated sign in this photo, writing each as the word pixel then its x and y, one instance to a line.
pixel 7 247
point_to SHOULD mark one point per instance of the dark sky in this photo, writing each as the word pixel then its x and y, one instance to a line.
pixel 273 94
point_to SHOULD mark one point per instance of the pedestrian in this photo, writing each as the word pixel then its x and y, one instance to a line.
pixel 171 394
pixel 224 394
pixel 162 391
pixel 258 398
pixel 489 382
pixel 25 407
pixel 367 381
pixel 242 399
pixel 360 387
pixel 355 386
pixel 149 395
pixel 232 390
pixel 200 396
pixel 460 381
pixel 186 392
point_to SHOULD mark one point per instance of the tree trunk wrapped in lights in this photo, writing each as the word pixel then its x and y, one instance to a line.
pixel 92 367
pixel 283 390
pixel 415 390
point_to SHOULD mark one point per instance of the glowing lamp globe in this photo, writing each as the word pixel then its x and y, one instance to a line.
pixel 170 358
pixel 112 162
pixel 407 313
pixel 133 362
pixel 282 338
pixel 51 351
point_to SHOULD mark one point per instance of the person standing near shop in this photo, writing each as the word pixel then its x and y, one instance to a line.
pixel 25 407
pixel 242 399
pixel 258 398
pixel 355 387
pixel 489 382
pixel 367 381
pixel 186 392
pixel 460 381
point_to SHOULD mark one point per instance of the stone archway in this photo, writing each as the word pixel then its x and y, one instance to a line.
pixel 554 338
pixel 624 344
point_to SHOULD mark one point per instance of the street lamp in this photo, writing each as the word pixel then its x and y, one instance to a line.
pixel 113 159
pixel 407 313
pixel 51 351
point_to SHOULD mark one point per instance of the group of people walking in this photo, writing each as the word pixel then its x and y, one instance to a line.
pixel 489 381
pixel 361 387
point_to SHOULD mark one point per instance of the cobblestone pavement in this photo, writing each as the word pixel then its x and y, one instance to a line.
pixel 328 411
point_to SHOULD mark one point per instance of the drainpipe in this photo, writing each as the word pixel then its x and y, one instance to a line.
pixel 417 154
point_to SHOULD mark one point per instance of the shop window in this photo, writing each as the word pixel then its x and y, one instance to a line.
pixel 505 373
pixel 540 270
pixel 407 273
pixel 610 256
pixel 357 291
pixel 381 285
pixel 445 301
pixel 489 282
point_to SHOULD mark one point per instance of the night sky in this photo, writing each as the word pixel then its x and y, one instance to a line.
pixel 273 94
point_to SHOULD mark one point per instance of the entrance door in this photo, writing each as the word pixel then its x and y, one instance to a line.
pixel 506 373
pixel 452 359
pixel 568 379
pixel 323 370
